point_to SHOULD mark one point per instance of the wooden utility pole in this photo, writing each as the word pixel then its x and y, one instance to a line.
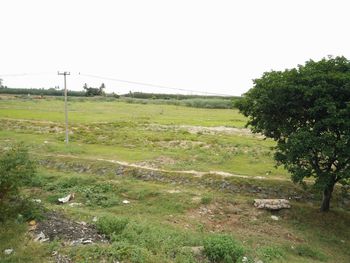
pixel 65 101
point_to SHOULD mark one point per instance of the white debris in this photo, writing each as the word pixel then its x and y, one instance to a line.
pixel 8 251
pixel 37 201
pixel 46 142
pixel 66 198
pixel 126 202
pixel 81 241
pixel 276 218
pixel 41 238
pixel 94 219
pixel 271 204
pixel 244 259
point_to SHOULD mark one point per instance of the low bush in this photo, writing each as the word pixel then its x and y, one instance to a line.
pixel 268 254
pixel 222 248
pixel 306 251
pixel 16 170
pixel 111 225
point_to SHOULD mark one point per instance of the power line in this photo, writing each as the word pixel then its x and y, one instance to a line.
pixel 151 85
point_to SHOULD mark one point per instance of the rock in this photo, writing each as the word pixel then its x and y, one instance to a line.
pixel 276 218
pixel 66 198
pixel 75 204
pixel 8 251
pixel 272 204
pixel 41 237
pixel 126 202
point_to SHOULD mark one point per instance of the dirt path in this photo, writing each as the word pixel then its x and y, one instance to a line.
pixel 191 172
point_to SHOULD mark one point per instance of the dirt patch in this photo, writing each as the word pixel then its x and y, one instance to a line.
pixel 181 144
pixel 58 226
pixel 203 129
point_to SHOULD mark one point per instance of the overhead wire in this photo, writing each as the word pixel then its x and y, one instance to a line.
pixel 153 85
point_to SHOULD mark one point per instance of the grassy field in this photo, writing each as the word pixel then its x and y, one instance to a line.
pixel 158 157
pixel 165 136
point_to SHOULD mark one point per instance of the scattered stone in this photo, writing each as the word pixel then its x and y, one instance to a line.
pixel 126 202
pixel 66 199
pixel 8 251
pixel 276 218
pixel 75 204
pixel 61 258
pixel 58 226
pixel 41 238
pixel 272 204
pixel 84 241
pixel 244 259
pixel 173 191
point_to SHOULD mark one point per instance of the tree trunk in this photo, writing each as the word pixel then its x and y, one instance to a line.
pixel 327 195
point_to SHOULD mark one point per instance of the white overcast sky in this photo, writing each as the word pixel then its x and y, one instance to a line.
pixel 210 46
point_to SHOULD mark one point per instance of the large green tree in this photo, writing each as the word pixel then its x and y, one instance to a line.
pixel 306 110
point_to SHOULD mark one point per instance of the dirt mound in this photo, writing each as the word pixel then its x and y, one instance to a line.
pixel 57 226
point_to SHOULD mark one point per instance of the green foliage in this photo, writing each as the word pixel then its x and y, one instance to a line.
pixel 306 251
pixel 21 209
pixel 222 248
pixel 40 92
pixel 206 103
pixel 205 200
pixel 111 225
pixel 89 91
pixel 16 170
pixel 268 254
pixel 306 110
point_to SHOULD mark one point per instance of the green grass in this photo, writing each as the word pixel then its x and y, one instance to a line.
pixel 162 225
pixel 131 134
pixel 92 111
pixel 165 219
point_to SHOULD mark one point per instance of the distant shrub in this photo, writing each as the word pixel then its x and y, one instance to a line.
pixel 306 251
pixel 111 225
pixel 222 248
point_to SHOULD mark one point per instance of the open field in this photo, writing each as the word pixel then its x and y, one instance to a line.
pixel 190 176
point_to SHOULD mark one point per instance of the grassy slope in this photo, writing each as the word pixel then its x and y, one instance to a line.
pixel 174 219
pixel 302 235
pixel 127 137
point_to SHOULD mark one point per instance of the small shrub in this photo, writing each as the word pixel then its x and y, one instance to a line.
pixel 271 253
pixel 16 170
pixel 306 251
pixel 111 225
pixel 206 200
pixel 222 248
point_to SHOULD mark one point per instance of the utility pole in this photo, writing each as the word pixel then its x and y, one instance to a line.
pixel 65 101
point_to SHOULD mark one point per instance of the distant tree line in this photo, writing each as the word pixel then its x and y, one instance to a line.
pixel 142 95
pixel 39 92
